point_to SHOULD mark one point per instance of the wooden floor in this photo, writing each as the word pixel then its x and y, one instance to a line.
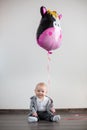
pixel 19 122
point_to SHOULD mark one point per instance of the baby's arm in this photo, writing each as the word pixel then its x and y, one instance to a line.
pixel 52 109
pixel 34 114
pixel 32 109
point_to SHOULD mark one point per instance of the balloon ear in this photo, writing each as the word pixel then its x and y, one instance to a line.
pixel 43 10
pixel 60 16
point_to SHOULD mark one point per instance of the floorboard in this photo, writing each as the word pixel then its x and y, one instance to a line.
pixel 19 122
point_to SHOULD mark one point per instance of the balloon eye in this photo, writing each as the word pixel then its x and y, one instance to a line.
pixel 55 24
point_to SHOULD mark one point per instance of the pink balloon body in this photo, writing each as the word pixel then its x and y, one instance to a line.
pixel 50 39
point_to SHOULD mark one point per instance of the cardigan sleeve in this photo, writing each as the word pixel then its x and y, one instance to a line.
pixel 32 105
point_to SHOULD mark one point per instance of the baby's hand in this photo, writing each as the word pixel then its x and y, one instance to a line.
pixel 34 114
pixel 52 110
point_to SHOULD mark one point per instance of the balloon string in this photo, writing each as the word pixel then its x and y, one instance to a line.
pixel 48 68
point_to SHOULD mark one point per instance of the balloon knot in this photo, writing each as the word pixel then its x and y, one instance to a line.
pixel 49 52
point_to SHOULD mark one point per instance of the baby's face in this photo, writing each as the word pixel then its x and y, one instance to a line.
pixel 40 91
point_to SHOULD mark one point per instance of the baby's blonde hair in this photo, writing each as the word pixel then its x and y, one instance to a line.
pixel 41 84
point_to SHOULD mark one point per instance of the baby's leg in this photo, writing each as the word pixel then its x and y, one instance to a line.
pixel 44 115
pixel 50 117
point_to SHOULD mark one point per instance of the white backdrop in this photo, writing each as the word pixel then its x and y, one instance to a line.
pixel 23 63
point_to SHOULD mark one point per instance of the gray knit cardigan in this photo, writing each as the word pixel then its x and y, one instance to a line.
pixel 33 105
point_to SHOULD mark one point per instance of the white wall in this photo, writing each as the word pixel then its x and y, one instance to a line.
pixel 23 63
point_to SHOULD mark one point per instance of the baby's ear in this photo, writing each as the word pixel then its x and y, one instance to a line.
pixel 35 90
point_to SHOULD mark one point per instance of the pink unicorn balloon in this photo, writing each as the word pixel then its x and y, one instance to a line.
pixel 49 33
